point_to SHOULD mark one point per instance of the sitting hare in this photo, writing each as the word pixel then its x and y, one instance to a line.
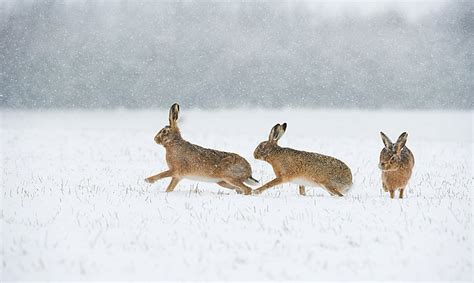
pixel 396 163
pixel 301 167
pixel 187 160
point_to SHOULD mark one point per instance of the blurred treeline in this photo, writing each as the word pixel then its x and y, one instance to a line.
pixel 218 54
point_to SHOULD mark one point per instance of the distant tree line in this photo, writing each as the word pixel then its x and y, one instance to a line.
pixel 107 54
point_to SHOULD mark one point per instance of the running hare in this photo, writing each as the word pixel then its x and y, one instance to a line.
pixel 301 167
pixel 396 163
pixel 187 160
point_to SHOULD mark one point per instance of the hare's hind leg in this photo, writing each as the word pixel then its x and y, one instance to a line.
pixel 402 190
pixel 333 190
pixel 172 185
pixel 156 177
pixel 268 185
pixel 302 190
pixel 240 186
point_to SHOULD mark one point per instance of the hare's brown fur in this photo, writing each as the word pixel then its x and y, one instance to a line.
pixel 396 163
pixel 302 167
pixel 187 160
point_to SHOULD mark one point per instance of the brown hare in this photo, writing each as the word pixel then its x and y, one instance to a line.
pixel 190 161
pixel 396 163
pixel 301 167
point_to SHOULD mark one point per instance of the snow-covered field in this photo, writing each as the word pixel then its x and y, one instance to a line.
pixel 75 205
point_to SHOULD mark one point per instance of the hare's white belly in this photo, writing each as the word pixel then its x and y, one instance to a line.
pixel 304 182
pixel 203 179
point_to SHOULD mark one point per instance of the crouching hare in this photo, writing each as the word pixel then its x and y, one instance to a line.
pixel 190 161
pixel 301 167
pixel 396 163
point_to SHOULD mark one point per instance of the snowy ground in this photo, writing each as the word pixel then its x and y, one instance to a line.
pixel 75 205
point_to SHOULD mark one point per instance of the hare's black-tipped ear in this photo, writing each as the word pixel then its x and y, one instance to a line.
pixel 173 116
pixel 277 132
pixel 402 140
pixel 386 141
pixel 273 133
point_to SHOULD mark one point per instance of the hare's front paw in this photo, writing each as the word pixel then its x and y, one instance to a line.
pixel 150 180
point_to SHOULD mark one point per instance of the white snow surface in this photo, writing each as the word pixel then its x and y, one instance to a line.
pixel 75 205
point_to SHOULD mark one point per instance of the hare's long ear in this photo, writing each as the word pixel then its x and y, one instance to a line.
pixel 273 133
pixel 277 132
pixel 386 141
pixel 173 116
pixel 402 139
pixel 282 130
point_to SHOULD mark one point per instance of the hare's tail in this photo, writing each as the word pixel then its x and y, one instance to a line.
pixel 251 181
